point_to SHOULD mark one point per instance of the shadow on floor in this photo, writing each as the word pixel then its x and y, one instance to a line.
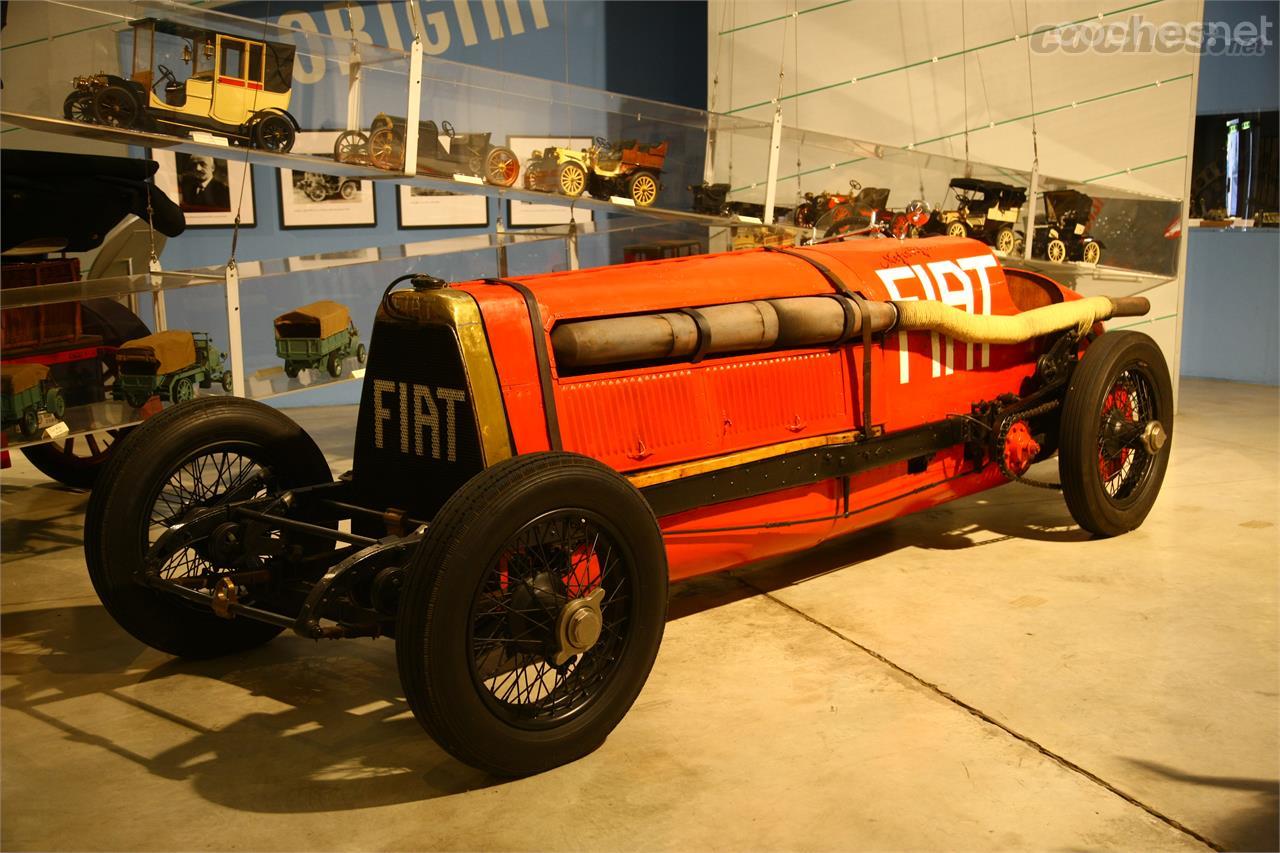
pixel 323 729
pixel 966 524
pixel 1256 828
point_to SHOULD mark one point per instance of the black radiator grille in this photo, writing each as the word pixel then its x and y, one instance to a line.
pixel 416 437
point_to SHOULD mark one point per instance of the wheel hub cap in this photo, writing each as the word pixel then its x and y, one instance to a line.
pixel 579 626
pixel 1154 437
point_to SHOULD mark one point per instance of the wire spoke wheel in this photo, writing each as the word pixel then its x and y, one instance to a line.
pixel 1056 251
pixel 528 623
pixel 520 605
pixel 1092 252
pixel 386 151
pixel 201 481
pixel 1117 422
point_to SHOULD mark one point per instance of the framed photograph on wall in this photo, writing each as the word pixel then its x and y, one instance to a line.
pixel 208 189
pixel 419 207
pixel 314 199
pixel 526 214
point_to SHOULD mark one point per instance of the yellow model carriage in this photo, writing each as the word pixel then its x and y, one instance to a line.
pixel 237 87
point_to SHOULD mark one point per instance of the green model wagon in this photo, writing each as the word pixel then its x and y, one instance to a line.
pixel 170 365
pixel 25 391
pixel 317 335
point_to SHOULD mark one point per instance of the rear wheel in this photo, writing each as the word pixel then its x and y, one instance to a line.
pixel 334 364
pixel 291 369
pixel 1117 422
pixel 349 189
pixel 1092 252
pixel 78 106
pixel 386 151
pixel 30 422
pixel 115 106
pixel 351 147
pixel 532 613
pixel 501 167
pixel 362 353
pixel 957 228
pixel 643 188
pixel 185 459
pixel 1006 240
pixel 182 391
pixel 1056 251
pixel 274 132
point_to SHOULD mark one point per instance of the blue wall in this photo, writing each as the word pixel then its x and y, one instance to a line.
pixel 1231 306
pixel 1231 303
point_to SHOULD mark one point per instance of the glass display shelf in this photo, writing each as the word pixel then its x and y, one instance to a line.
pixel 200 300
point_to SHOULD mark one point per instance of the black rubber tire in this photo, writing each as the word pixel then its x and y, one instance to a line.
pixel 115 106
pixel 114 551
pixel 333 364
pixel 274 132
pixel 441 581
pixel 1078 466
pixel 29 424
pixel 291 369
pixel 70 468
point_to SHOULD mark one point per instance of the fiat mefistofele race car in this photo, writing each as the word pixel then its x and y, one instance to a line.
pixel 536 459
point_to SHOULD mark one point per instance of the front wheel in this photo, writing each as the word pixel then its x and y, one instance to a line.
pixel 183 460
pixel 348 190
pixel 1092 252
pixel 351 147
pixel 386 150
pixel 572 180
pixel 1006 240
pixel 1117 422
pixel 532 612
pixel 362 353
pixel 334 364
pixel 115 106
pixel 957 228
pixel 78 106
pixel 1056 251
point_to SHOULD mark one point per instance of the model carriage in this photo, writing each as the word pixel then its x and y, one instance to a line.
pixel 169 365
pixel 713 199
pixel 1064 234
pixel 26 392
pixel 317 335
pixel 237 86
pixel 985 210
pixel 627 169
pixel 536 459
pixel 469 154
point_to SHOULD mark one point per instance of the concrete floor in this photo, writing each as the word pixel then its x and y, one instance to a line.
pixel 978 677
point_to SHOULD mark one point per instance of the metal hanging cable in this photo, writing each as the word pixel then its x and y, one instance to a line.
pixel 1031 89
pixel 964 73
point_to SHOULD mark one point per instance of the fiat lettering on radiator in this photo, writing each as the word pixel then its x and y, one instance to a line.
pixel 417 406
pixel 950 283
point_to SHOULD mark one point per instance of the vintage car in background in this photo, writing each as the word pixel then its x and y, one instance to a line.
pixel 169 365
pixel 469 154
pixel 865 213
pixel 320 187
pixel 713 199
pixel 238 87
pixel 26 391
pixel 1064 234
pixel 317 335
pixel 989 211
pixel 627 169
pixel 536 458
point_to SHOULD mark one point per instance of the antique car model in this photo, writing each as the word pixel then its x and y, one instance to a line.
pixel 317 335
pixel 1064 234
pixel 907 223
pixel 713 199
pixel 536 459
pixel 25 391
pixel 628 169
pixel 320 187
pixel 238 87
pixel 168 364
pixel 865 213
pixel 464 154
pixel 985 210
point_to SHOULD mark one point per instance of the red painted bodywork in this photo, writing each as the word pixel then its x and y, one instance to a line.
pixel 655 416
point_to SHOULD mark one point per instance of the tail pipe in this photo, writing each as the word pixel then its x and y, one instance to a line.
pixel 808 321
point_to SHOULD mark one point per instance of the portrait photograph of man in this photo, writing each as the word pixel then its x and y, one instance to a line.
pixel 202 183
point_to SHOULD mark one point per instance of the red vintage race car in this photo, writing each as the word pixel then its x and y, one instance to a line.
pixel 536 459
